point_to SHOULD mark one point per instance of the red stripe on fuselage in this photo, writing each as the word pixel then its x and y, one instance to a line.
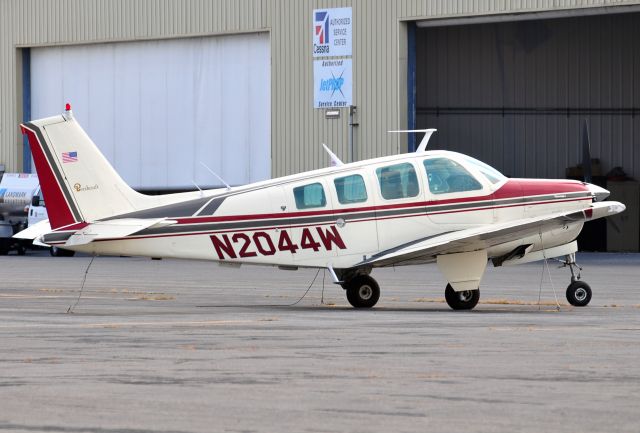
pixel 420 213
pixel 57 207
pixel 513 188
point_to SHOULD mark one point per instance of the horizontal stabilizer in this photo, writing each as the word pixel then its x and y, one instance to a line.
pixel 117 228
pixel 35 232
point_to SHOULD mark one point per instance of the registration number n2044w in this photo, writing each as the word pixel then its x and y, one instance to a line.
pixel 259 243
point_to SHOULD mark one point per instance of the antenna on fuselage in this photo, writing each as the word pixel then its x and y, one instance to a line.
pixel 425 140
pixel 196 185
pixel 216 175
pixel 335 161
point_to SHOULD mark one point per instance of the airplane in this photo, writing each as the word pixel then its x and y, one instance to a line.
pixel 414 208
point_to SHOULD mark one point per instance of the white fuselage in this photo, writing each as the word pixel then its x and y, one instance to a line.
pixel 364 208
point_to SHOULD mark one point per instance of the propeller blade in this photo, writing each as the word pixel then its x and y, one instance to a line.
pixel 586 153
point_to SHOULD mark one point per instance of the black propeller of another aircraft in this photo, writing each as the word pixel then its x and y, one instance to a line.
pixel 586 153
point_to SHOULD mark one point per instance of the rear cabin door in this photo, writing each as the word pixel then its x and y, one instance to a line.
pixel 354 214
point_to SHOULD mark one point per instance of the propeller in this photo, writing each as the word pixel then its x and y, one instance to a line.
pixel 586 153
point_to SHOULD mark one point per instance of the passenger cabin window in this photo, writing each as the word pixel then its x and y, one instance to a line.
pixel 350 189
pixel 309 196
pixel 445 176
pixel 398 181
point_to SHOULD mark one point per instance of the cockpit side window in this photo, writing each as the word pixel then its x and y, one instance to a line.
pixel 492 175
pixel 446 176
pixel 398 181
pixel 309 196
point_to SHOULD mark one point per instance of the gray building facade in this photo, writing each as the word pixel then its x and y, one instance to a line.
pixel 508 82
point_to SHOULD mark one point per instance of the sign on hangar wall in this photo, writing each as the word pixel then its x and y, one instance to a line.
pixel 332 83
pixel 332 32
pixel 332 78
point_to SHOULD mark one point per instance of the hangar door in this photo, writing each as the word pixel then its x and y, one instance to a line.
pixel 157 109
pixel 515 94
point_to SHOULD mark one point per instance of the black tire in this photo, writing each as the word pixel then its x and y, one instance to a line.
pixel 59 252
pixel 579 294
pixel 362 291
pixel 465 300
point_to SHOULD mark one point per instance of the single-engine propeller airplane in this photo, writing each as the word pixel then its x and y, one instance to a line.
pixel 421 207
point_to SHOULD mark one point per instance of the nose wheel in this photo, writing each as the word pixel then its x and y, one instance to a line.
pixel 578 292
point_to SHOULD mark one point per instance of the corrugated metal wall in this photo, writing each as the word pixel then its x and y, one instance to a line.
pixel 516 94
pixel 379 58
pixel 30 23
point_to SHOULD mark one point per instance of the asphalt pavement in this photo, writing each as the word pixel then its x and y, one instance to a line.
pixel 187 346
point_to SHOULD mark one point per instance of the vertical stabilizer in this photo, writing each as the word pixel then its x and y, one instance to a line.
pixel 77 181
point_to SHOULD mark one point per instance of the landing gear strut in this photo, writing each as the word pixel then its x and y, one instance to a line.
pixel 578 292
pixel 362 291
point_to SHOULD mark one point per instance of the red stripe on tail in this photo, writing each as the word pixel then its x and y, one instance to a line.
pixel 57 207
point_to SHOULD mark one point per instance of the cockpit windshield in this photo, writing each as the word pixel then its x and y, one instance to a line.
pixel 493 175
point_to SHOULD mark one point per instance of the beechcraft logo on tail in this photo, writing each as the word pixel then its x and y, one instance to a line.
pixel 69 157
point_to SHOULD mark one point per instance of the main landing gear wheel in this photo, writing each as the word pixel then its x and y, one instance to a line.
pixel 579 294
pixel 464 300
pixel 362 291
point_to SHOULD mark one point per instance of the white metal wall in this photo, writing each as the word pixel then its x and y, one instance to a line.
pixel 158 108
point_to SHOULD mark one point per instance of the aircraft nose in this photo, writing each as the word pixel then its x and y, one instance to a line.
pixel 598 192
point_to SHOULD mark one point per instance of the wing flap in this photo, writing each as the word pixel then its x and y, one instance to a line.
pixel 483 237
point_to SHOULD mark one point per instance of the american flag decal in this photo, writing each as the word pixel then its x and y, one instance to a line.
pixel 69 157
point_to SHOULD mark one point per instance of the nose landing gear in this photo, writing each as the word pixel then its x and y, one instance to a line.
pixel 578 292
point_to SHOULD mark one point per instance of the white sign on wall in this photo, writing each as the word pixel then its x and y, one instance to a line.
pixel 332 83
pixel 332 32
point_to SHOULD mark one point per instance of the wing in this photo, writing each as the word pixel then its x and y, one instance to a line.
pixel 486 236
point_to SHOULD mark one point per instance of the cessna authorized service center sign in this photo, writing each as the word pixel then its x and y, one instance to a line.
pixel 332 32
pixel 332 77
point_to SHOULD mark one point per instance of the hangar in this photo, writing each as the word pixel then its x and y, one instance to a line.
pixel 165 86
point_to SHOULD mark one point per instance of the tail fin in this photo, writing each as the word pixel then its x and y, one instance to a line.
pixel 77 181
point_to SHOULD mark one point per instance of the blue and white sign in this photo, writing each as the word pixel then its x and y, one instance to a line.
pixel 332 32
pixel 333 83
